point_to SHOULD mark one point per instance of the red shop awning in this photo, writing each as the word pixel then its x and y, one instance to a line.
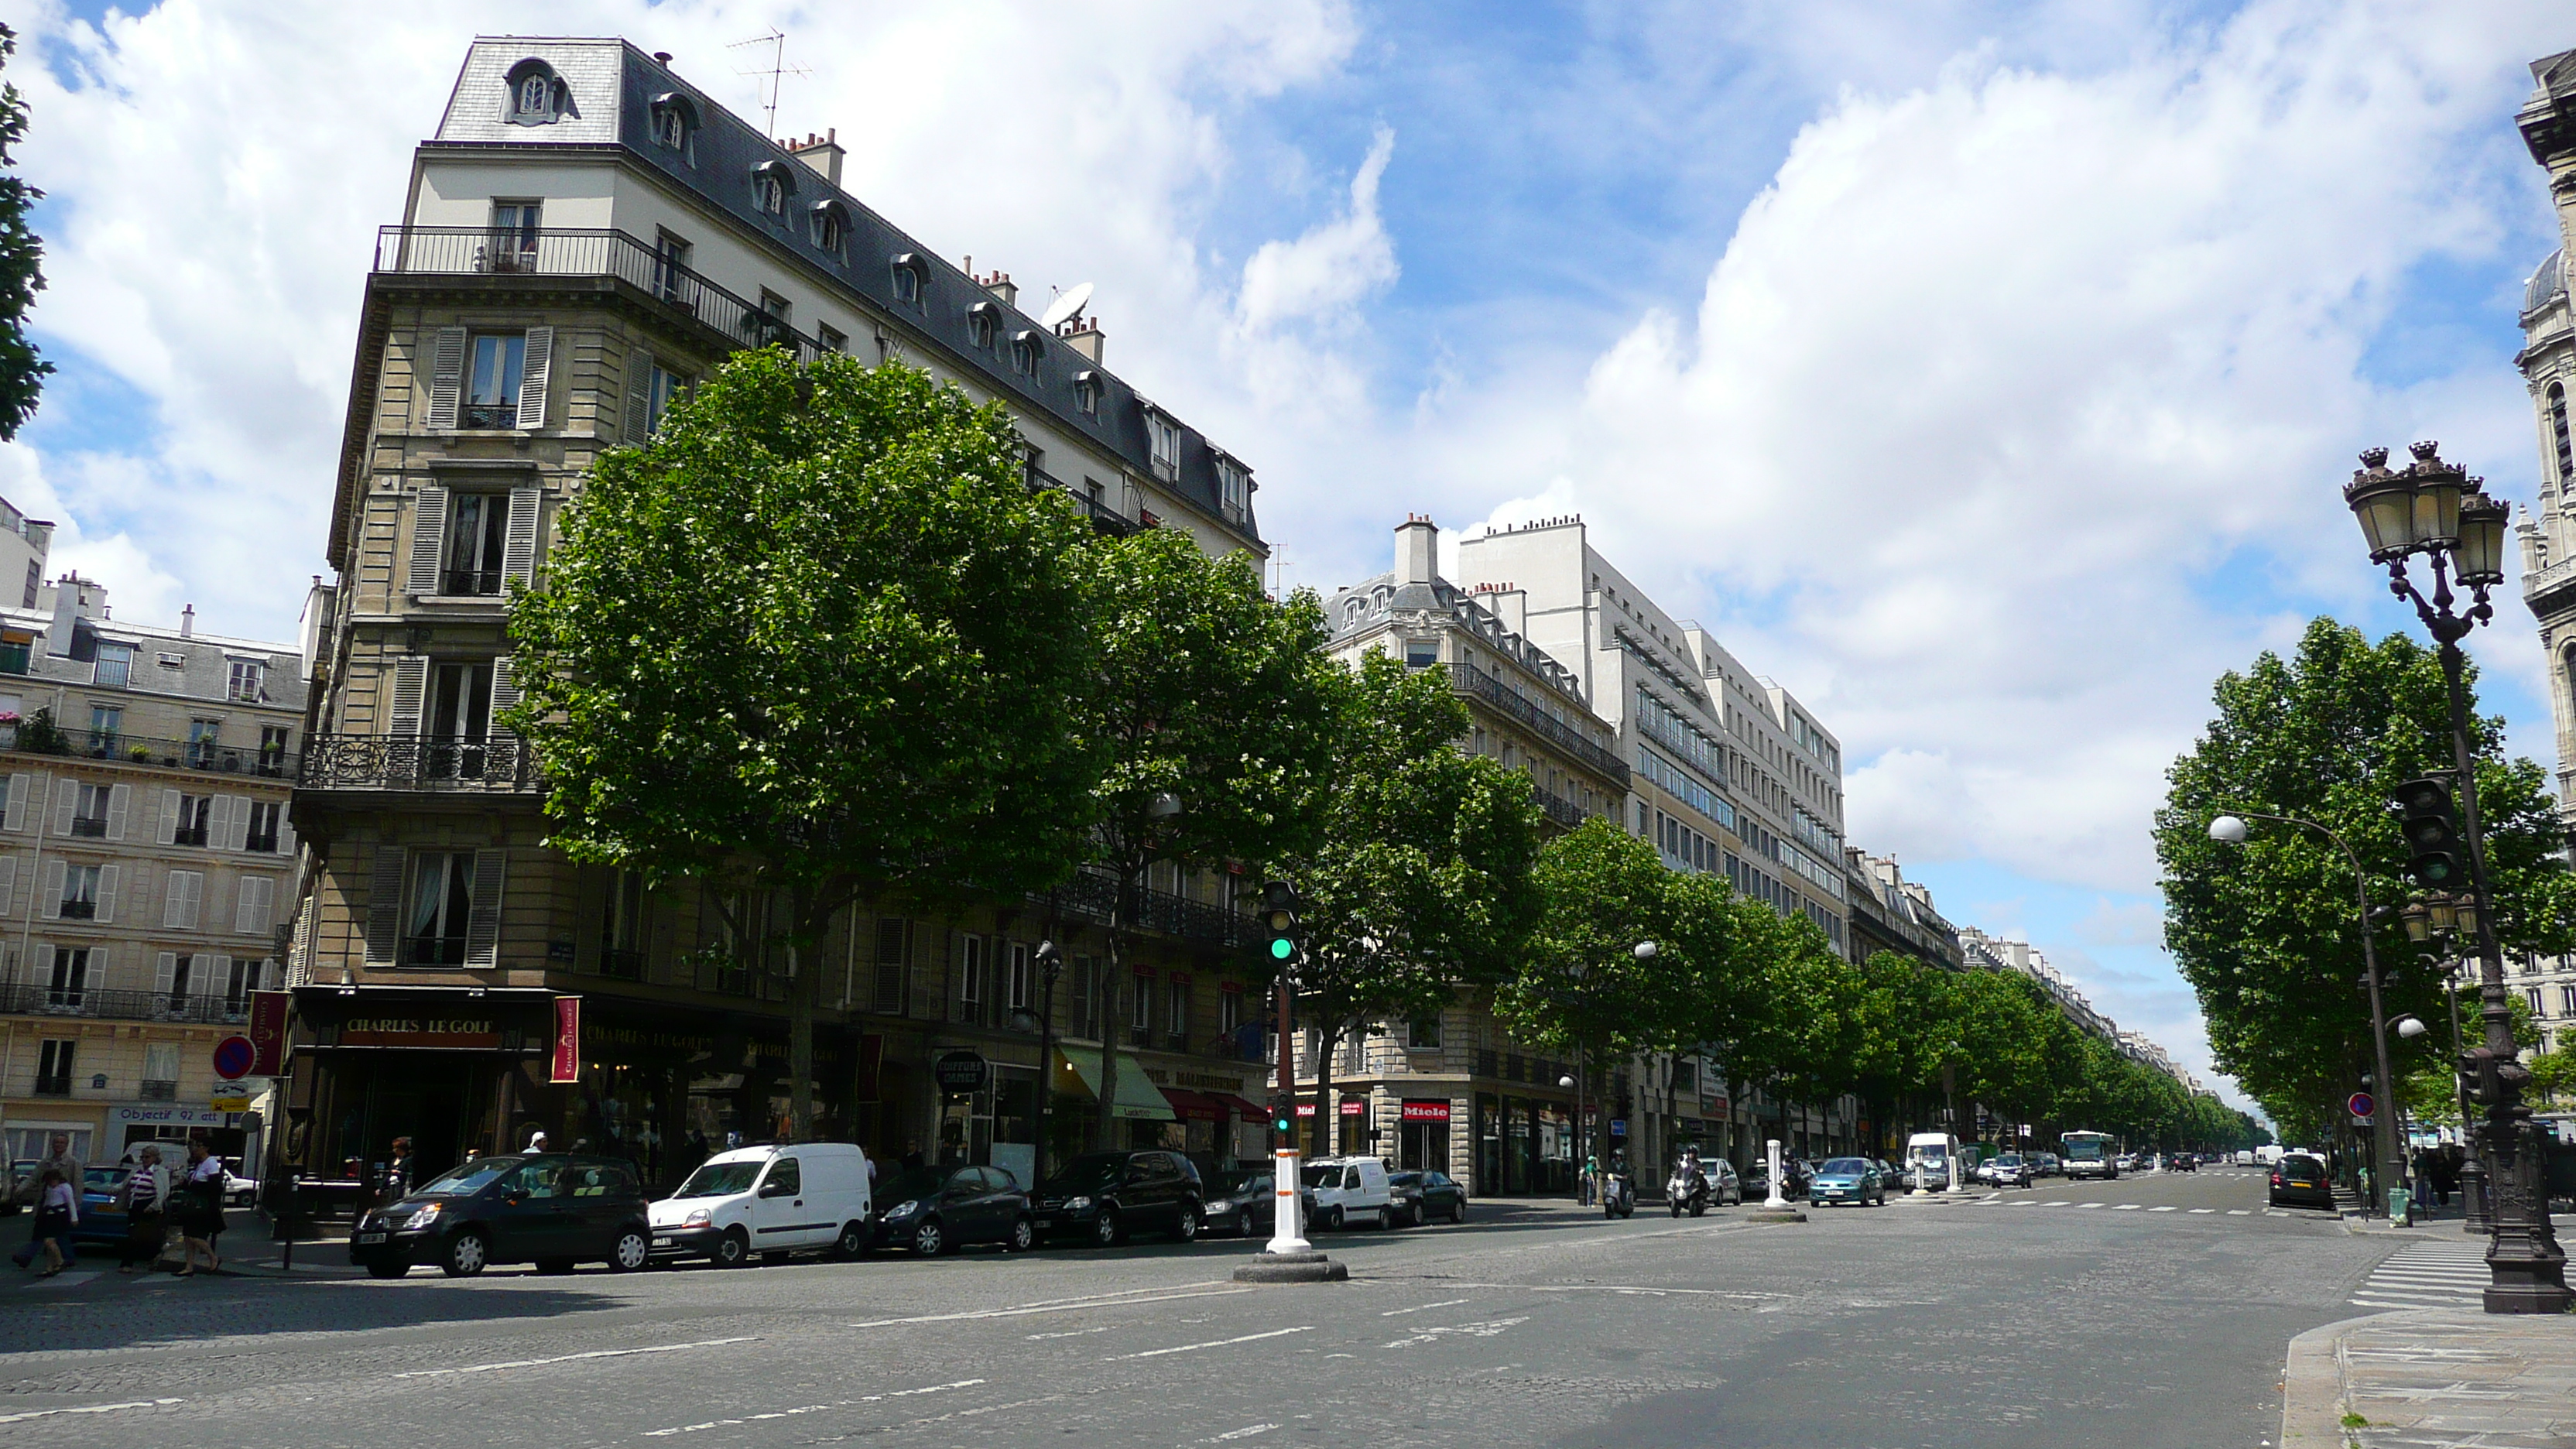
pixel 1195 1106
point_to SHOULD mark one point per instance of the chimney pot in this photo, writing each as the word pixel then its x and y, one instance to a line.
pixel 661 57
pixel 188 622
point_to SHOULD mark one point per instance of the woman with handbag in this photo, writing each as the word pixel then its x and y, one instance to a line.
pixel 202 1209
pixel 57 1208
pixel 146 1198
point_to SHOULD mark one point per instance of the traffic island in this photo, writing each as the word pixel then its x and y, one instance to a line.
pixel 1296 1266
pixel 1775 1215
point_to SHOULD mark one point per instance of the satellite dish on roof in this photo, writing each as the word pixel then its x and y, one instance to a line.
pixel 1066 307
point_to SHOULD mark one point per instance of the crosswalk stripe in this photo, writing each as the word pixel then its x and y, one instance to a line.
pixel 2204 1210
pixel 2421 1275
pixel 2240 1212
pixel 2166 1209
pixel 2056 1202
pixel 2088 1204
pixel 2128 1207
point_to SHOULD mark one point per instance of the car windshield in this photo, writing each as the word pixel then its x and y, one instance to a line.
pixel 1091 1170
pixel 1844 1166
pixel 2008 1160
pixel 102 1179
pixel 468 1179
pixel 1404 1179
pixel 720 1179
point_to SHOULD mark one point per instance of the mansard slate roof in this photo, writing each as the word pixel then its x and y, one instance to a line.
pixel 614 88
pixel 1370 601
pixel 2550 281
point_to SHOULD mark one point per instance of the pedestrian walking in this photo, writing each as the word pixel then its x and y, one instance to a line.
pixel 58 1158
pixel 146 1200
pixel 537 1140
pixel 57 1208
pixel 201 1209
pixel 398 1171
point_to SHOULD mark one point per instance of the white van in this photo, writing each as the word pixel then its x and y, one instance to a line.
pixel 772 1200
pixel 1343 1188
pixel 1930 1158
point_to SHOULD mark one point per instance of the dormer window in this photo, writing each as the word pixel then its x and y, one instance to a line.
pixel 1234 488
pixel 983 324
pixel 538 97
pixel 831 225
pixel 1086 392
pixel 674 123
pixel 1026 349
pixel 1163 440
pixel 910 272
pixel 771 185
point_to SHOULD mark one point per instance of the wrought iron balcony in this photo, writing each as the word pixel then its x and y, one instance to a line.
pixel 500 765
pixel 1092 891
pixel 1485 689
pixel 469 583
pixel 39 999
pixel 1558 808
pixel 208 755
pixel 572 252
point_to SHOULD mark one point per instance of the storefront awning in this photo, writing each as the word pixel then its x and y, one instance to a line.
pixel 1137 1099
pixel 1194 1106
pixel 1248 1111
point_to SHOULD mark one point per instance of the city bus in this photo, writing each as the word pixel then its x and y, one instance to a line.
pixel 2089 1154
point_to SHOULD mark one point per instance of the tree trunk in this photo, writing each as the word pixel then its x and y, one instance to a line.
pixel 1328 1121
pixel 1111 1022
pixel 801 987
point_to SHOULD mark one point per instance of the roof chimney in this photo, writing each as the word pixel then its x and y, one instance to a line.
pixel 1082 334
pixel 188 622
pixel 823 153
pixel 75 598
pixel 1417 549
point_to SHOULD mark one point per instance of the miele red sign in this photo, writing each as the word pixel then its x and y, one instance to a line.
pixel 1426 1111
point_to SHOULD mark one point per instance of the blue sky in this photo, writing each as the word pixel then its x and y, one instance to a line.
pixel 1981 372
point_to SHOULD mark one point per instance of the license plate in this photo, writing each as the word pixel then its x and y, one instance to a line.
pixel 1046 1222
pixel 371 1237
pixel 663 1242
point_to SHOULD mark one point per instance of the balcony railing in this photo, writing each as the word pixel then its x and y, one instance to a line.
pixel 1104 518
pixel 500 765
pixel 1476 684
pixel 469 583
pixel 208 755
pixel 2541 580
pixel 39 999
pixel 1090 893
pixel 582 252
pixel 1558 808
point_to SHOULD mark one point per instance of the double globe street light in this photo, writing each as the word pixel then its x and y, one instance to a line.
pixel 2435 509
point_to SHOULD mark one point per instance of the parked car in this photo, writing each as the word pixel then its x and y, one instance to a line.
pixel 1105 1196
pixel 1854 1180
pixel 1244 1203
pixel 935 1210
pixel 1793 1178
pixel 1422 1196
pixel 2006 1170
pixel 553 1209
pixel 239 1191
pixel 2299 1180
pixel 102 1222
pixel 2046 1164
pixel 771 1200
pixel 1347 1188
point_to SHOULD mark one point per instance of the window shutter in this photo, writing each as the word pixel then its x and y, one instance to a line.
pixel 532 378
pixel 428 536
pixel 483 919
pixel 169 816
pixel 109 877
pixel 16 818
pixel 66 800
pixel 250 912
pixel 384 906
pixel 505 692
pixel 411 683
pixel 183 907
pixel 165 973
pixel 53 890
pixel 237 832
pixel 639 394
pixel 285 833
pixel 8 883
pixel 519 547
pixel 120 803
pixel 446 378
pixel 959 1009
pixel 300 950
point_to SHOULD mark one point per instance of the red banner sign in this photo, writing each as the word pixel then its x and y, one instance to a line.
pixel 1426 1111
pixel 567 1052
pixel 268 1032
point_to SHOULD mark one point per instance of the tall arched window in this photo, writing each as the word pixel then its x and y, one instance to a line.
pixel 2558 434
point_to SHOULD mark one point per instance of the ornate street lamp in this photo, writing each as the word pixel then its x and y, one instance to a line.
pixel 2460 531
pixel 1050 968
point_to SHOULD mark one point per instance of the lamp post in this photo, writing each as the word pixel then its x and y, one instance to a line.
pixel 2435 509
pixel 1050 967
pixel 2437 919
pixel 2230 830
pixel 1643 951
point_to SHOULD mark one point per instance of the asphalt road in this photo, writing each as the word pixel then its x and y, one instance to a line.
pixel 2158 1318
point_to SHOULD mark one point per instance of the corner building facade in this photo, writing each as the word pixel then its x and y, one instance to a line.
pixel 585 236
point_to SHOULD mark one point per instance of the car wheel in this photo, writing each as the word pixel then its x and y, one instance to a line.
pixel 1106 1232
pixel 1333 1221
pixel 733 1250
pixel 554 1267
pixel 929 1240
pixel 1024 1236
pixel 467 1255
pixel 1458 1214
pixel 634 1249
pixel 1185 1228
pixel 382 1269
pixel 852 1244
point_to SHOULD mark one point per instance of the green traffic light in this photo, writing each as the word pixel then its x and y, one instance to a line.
pixel 1282 948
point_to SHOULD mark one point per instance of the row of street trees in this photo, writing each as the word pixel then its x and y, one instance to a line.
pixel 818 643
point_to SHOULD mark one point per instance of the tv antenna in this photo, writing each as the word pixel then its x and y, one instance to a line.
pixel 1066 307
pixel 777 72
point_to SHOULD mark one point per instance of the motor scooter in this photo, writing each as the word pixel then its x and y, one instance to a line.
pixel 1687 1188
pixel 1618 1192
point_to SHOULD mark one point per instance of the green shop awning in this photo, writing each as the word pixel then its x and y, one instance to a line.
pixel 1137 1100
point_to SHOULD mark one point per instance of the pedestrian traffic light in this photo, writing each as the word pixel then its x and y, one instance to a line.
pixel 2432 832
pixel 1279 920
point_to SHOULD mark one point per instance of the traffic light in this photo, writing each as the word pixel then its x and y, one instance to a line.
pixel 2432 832
pixel 1279 920
pixel 1283 1114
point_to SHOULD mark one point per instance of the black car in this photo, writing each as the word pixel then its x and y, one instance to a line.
pixel 2183 1162
pixel 1244 1203
pixel 1104 1196
pixel 934 1210
pixel 2300 1181
pixel 1422 1196
pixel 1793 1178
pixel 553 1209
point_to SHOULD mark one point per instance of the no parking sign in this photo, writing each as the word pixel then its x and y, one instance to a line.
pixel 233 1057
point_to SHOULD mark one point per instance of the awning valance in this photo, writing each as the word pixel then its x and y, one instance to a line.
pixel 1137 1099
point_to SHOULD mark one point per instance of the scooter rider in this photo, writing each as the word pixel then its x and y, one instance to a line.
pixel 1689 1185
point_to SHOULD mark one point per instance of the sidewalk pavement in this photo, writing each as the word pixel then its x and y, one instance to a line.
pixel 2427 1378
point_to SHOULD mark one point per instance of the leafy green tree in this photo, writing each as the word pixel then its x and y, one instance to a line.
pixel 22 255
pixel 1216 708
pixel 2265 931
pixel 816 639
pixel 1422 880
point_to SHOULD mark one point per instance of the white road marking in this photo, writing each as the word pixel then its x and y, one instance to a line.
pixel 1068 1333
pixel 2022 1202
pixel 89 1409
pixel 1213 1343
pixel 1419 1307
pixel 1618 1288
pixel 2128 1207
pixel 1471 1330
pixel 810 1409
pixel 2088 1204
pixel 520 1363
pixel 1061 1305
pixel 2058 1202
pixel 2204 1210
pixel 2240 1212
pixel 1245 1432
pixel 2165 1209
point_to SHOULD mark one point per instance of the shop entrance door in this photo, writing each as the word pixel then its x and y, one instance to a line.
pixel 1423 1147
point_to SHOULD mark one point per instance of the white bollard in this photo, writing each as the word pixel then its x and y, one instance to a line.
pixel 1771 1150
pixel 1288 1214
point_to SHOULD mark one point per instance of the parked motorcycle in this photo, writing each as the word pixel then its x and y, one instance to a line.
pixel 1687 1188
pixel 1618 1192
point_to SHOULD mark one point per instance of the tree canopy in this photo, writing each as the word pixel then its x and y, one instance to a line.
pixel 22 255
